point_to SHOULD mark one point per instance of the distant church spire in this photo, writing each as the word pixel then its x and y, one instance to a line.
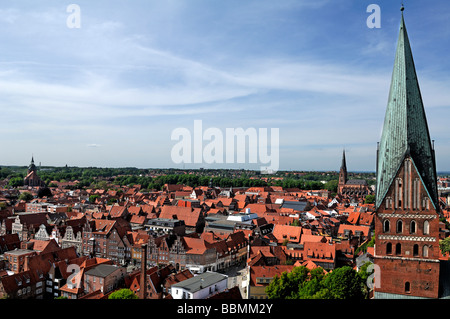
pixel 31 167
pixel 343 164
pixel 343 170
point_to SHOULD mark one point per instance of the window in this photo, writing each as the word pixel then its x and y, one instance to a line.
pixel 407 287
pixel 425 251
pixel 399 226
pixel 386 226
pixel 426 227
pixel 388 248
pixel 416 250
pixel 398 249
pixel 412 228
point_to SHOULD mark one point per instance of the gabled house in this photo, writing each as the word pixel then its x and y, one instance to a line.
pixel 107 239
pixel 194 218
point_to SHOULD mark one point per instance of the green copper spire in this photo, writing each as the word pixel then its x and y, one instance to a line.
pixel 405 130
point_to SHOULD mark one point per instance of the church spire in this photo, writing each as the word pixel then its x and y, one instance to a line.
pixel 343 171
pixel 405 131
pixel 343 164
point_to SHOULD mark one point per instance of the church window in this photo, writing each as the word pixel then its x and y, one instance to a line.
pixel 389 203
pixel 416 194
pixel 398 249
pixel 416 250
pixel 388 248
pixel 425 251
pixel 386 226
pixel 412 228
pixel 426 227
pixel 398 193
pixel 399 226
pixel 407 287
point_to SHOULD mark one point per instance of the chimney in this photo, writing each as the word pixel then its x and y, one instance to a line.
pixel 143 280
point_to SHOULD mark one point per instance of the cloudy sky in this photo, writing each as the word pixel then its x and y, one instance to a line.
pixel 111 92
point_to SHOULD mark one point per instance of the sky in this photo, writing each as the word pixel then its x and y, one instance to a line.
pixel 110 90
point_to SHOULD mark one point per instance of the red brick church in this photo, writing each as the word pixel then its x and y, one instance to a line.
pixel 407 207
pixel 351 188
pixel 32 179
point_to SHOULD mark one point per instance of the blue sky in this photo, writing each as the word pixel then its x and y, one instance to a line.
pixel 111 92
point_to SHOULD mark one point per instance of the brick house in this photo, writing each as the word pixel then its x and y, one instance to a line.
pixel 16 259
pixel 107 239
pixel 103 277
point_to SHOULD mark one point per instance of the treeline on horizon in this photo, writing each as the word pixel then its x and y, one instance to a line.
pixel 154 179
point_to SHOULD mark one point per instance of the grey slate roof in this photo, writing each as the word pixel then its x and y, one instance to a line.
pixel 295 205
pixel 405 131
pixel 200 281
pixel 102 270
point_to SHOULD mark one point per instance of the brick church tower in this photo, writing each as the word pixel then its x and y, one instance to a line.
pixel 407 208
pixel 342 173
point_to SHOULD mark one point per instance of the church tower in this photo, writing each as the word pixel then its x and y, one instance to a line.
pixel 342 174
pixel 407 208
pixel 32 179
pixel 31 167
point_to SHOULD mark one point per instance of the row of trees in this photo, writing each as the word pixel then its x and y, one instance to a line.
pixel 90 176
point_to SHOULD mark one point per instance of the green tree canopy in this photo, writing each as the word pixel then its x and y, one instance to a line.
pixel 123 294
pixel 444 245
pixel 16 181
pixel 370 199
pixel 26 196
pixel 92 198
pixel 302 283
pixel 344 283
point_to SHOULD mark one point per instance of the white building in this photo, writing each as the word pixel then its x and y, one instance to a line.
pixel 201 286
pixel 243 217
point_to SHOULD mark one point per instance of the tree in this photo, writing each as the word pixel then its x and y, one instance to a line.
pixel 123 294
pixel 16 181
pixel 286 285
pixel 332 186
pixel 44 192
pixel 314 288
pixel 302 283
pixel 370 199
pixel 92 198
pixel 344 283
pixel 444 245
pixel 26 196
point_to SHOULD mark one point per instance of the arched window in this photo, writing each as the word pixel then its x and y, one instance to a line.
pixel 425 251
pixel 407 287
pixel 388 248
pixel 426 227
pixel 416 250
pixel 398 249
pixel 386 226
pixel 412 227
pixel 399 226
